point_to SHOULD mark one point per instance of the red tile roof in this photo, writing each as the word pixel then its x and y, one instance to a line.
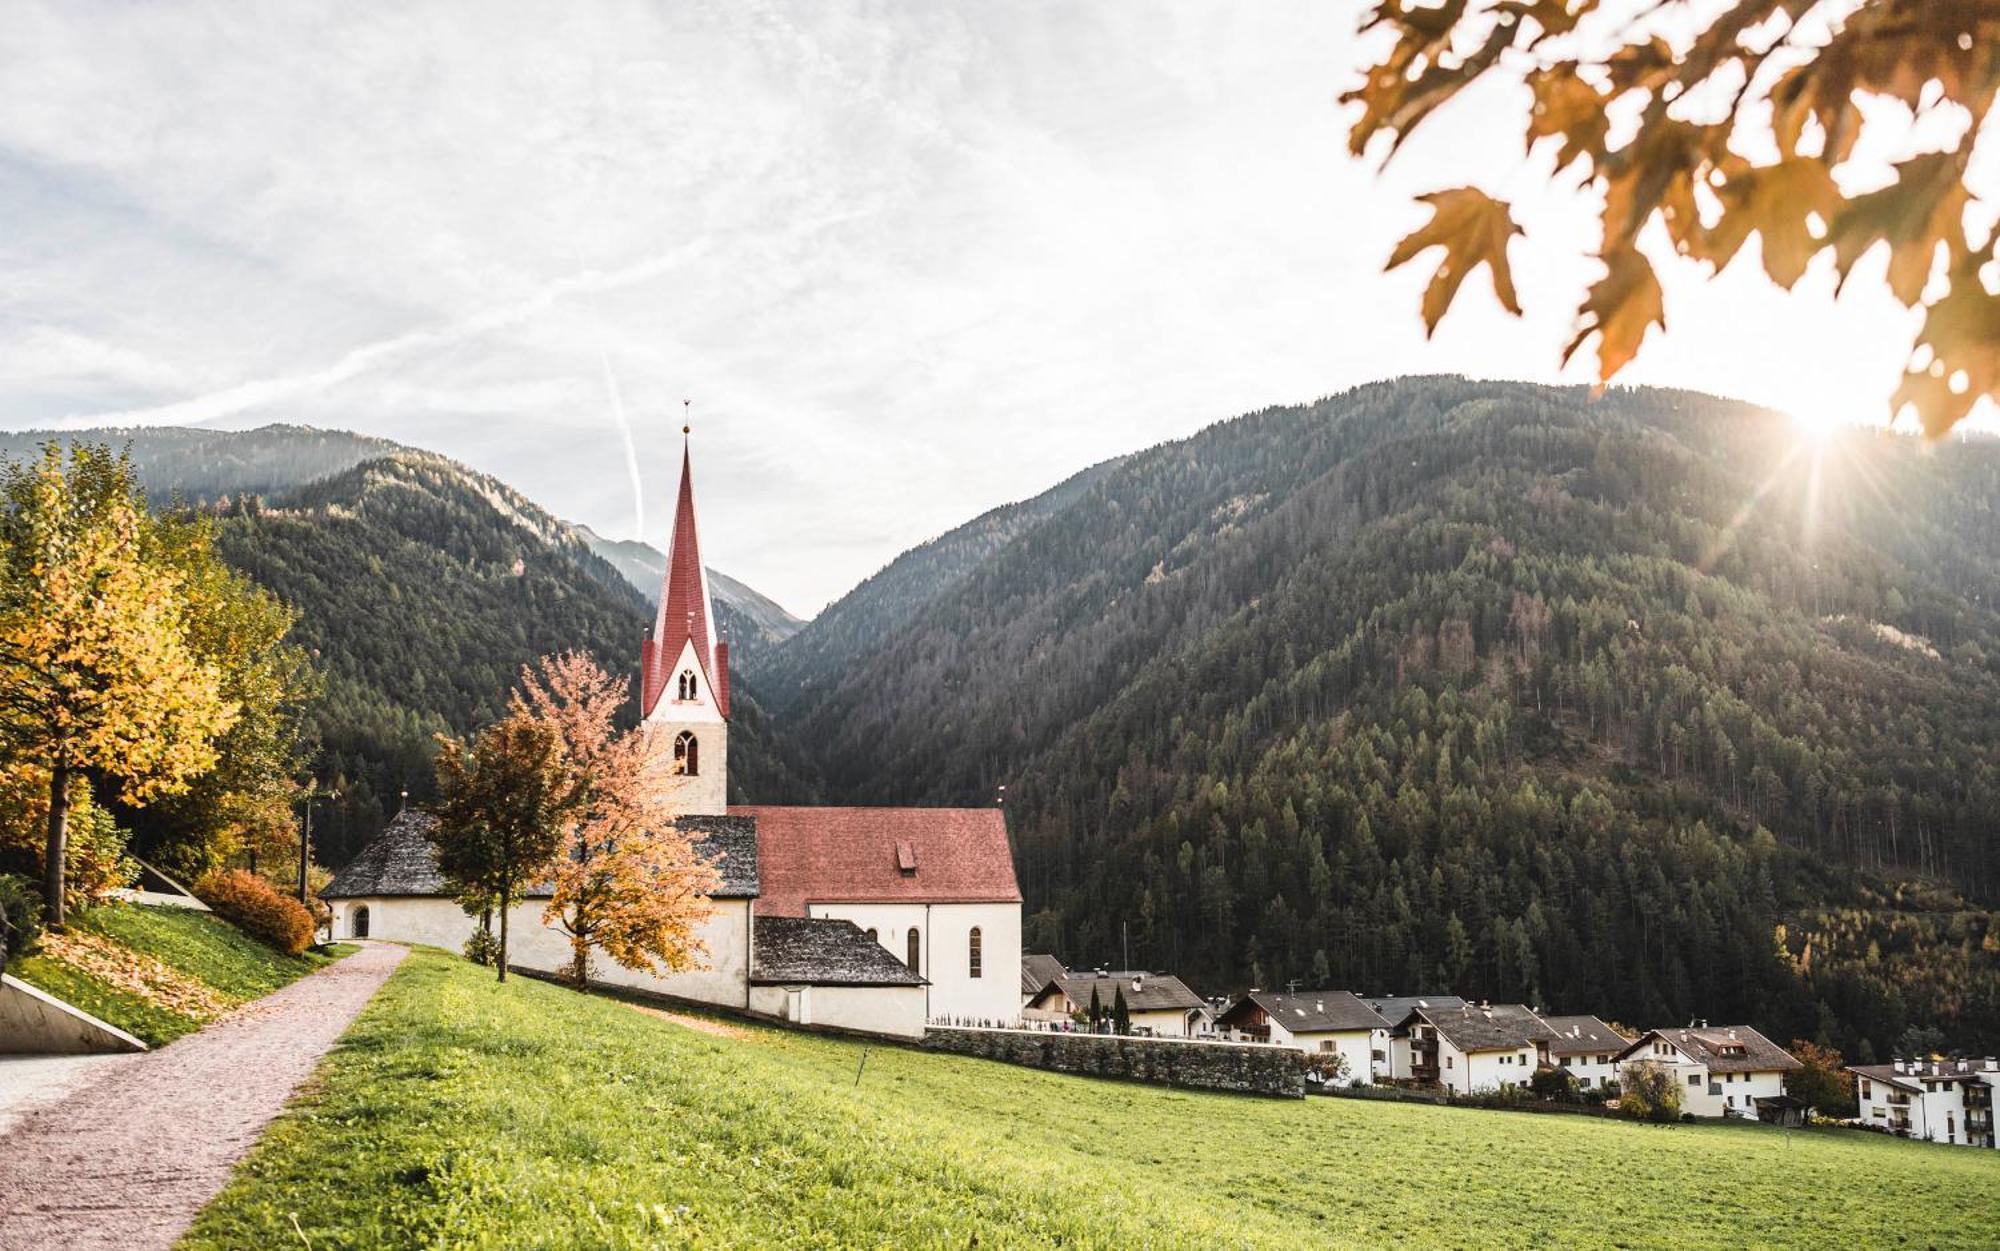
pixel 855 855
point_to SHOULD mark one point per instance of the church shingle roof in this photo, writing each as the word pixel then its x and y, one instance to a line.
pixel 859 855
pixel 401 862
pixel 819 951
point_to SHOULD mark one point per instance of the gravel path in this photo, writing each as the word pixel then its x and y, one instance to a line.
pixel 129 1159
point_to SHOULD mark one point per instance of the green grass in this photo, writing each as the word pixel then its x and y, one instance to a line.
pixel 460 1113
pixel 199 945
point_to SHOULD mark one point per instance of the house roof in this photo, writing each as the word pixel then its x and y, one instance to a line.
pixel 1393 1008
pixel 1723 1048
pixel 1916 1072
pixel 1144 992
pixel 817 951
pixel 1038 971
pixel 856 855
pixel 1308 1011
pixel 1576 1035
pixel 1494 1027
pixel 401 861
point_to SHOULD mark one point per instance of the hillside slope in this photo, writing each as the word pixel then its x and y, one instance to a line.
pixel 894 597
pixel 422 588
pixel 1489 687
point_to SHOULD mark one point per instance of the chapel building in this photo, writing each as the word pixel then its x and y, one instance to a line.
pixel 877 919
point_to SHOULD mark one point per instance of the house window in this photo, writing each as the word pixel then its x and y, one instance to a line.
pixel 687 754
pixel 973 960
pixel 915 949
pixel 1694 1079
pixel 688 689
pixel 1866 1093
pixel 361 921
pixel 1326 1044
pixel 1447 1061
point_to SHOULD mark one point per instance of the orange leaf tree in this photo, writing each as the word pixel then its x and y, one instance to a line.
pixel 98 676
pixel 627 880
pixel 1663 130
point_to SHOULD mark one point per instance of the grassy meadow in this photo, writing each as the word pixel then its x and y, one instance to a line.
pixel 461 1113
pixel 159 973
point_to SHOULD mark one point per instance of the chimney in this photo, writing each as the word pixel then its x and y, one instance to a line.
pixel 1992 1064
pixel 1900 1063
pixel 1732 1035
pixel 1319 1006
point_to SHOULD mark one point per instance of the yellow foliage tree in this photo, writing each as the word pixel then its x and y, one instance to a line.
pixel 96 674
pixel 628 880
pixel 1715 122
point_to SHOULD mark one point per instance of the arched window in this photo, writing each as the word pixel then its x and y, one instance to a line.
pixel 972 957
pixel 361 921
pixel 916 949
pixel 687 754
pixel 687 688
pixel 873 937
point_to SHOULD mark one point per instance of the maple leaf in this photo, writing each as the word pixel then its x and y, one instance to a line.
pixel 1777 203
pixel 1924 207
pixel 1568 106
pixel 1474 229
pixel 1619 309
pixel 1962 331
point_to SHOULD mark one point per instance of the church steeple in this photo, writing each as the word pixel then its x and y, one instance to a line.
pixel 684 669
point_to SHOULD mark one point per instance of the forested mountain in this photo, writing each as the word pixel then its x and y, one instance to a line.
pixel 891 598
pixel 203 465
pixel 422 588
pixel 759 622
pixel 1645 706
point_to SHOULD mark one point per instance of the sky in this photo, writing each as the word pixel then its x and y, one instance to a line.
pixel 906 261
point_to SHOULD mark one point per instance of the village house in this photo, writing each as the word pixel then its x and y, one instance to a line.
pixel 1339 1033
pixel 1587 1049
pixel 1948 1101
pixel 1392 1058
pixel 1474 1049
pixel 1037 971
pixel 1158 1005
pixel 932 888
pixel 1728 1070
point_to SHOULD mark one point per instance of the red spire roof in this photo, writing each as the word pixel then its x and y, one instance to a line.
pixel 685 609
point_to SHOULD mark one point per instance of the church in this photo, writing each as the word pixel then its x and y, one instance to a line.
pixel 875 919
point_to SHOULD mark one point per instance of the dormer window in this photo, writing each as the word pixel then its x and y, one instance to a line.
pixel 688 689
pixel 687 754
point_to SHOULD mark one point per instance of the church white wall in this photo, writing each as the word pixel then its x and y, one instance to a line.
pixel 707 792
pixel 944 953
pixel 440 922
pixel 894 1010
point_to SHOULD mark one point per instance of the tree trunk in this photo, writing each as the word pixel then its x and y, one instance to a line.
pixel 505 893
pixel 58 847
pixel 579 970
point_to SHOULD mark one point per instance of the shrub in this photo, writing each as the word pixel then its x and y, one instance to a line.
pixel 20 918
pixel 1554 1083
pixel 250 902
pixel 483 947
pixel 1650 1092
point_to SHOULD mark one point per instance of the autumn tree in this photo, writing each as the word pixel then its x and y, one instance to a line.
pixel 627 880
pixel 504 804
pixel 97 674
pixel 1697 126
pixel 1821 1081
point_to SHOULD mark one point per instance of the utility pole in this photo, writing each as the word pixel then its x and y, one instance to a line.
pixel 305 841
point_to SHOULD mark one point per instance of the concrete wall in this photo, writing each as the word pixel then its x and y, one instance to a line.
pixel 894 1010
pixel 944 952
pixel 34 1022
pixel 1245 1068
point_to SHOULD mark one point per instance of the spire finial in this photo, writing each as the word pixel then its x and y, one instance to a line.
pixel 686 422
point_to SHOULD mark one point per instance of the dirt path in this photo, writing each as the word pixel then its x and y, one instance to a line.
pixel 129 1159
pixel 700 1023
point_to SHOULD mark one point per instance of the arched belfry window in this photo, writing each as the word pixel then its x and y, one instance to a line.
pixel 688 688
pixel 916 949
pixel 687 754
pixel 973 954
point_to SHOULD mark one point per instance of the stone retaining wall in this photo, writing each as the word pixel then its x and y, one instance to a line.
pixel 1243 1068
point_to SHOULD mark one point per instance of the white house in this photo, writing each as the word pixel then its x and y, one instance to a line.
pixel 1948 1101
pixel 1475 1049
pixel 1333 1027
pixel 1396 1060
pixel 1723 1070
pixel 933 888
pixel 1587 1049
pixel 1159 1005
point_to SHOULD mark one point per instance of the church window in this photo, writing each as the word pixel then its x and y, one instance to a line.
pixel 915 949
pixel 361 921
pixel 973 954
pixel 687 754
pixel 688 689
pixel 873 937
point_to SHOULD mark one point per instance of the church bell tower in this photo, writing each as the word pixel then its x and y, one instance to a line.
pixel 684 671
